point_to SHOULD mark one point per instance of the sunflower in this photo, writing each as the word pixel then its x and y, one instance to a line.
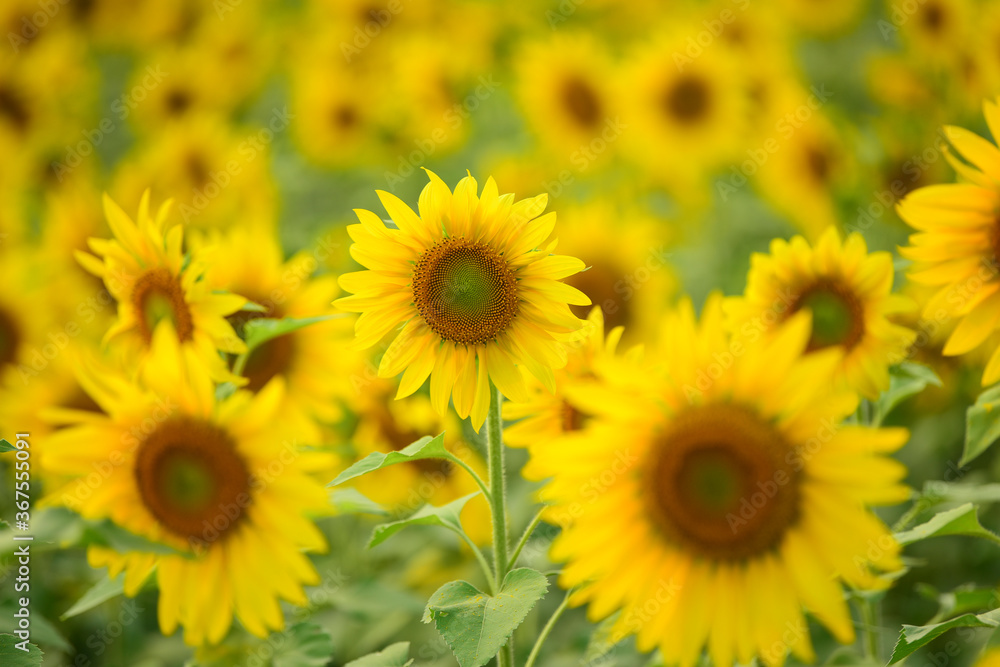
pixel 215 480
pixel 218 176
pixel 935 30
pixel 472 286
pixel 847 291
pixel 144 269
pixel 311 361
pixel 564 87
pixel 385 425
pixel 956 248
pixel 823 17
pixel 547 415
pixel 722 495
pixel 991 658
pixel 629 275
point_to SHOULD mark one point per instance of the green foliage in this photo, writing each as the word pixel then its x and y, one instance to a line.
pixel 475 625
pixel 982 425
pixel 428 515
pixel 963 520
pixel 5 446
pixel 306 645
pixel 259 331
pixel 352 501
pixel 905 380
pixel 914 636
pixel 10 656
pixel 397 655
pixel 108 534
pixel 424 448
pixel 102 591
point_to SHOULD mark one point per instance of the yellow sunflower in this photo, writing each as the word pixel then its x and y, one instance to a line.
pixel 144 269
pixel 991 658
pixel 547 415
pixel 848 292
pixel 217 481
pixel 564 86
pixel 956 248
pixel 823 17
pixel 312 361
pixel 473 284
pixel 723 495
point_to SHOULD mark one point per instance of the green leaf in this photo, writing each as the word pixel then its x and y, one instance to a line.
pixel 111 535
pixel 982 425
pixel 962 520
pixel 352 501
pixel 6 446
pixel 914 636
pixel 428 515
pixel 52 528
pixel 905 380
pixel 397 655
pixel 249 306
pixel 102 591
pixel 11 656
pixel 43 632
pixel 475 625
pixel 425 448
pixel 936 492
pixel 307 645
pixel 261 330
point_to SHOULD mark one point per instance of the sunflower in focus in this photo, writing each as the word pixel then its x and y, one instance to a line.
pixel 848 292
pixel 476 293
pixel 547 415
pixel 739 497
pixel 564 86
pixel 216 480
pixel 956 248
pixel 145 270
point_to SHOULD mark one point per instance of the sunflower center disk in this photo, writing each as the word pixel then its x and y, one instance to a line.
pixel 192 479
pixel 687 100
pixel 582 102
pixel 721 483
pixel 10 339
pixel 158 294
pixel 464 291
pixel 836 314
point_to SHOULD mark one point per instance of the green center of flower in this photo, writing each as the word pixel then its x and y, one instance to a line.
pixel 720 482
pixel 837 315
pixel 687 100
pixel 157 295
pixel 192 480
pixel 464 291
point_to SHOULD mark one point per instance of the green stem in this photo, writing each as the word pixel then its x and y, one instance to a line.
pixel 546 630
pixel 498 505
pixel 479 480
pixel 494 588
pixel 524 538
pixel 240 363
pixel 868 622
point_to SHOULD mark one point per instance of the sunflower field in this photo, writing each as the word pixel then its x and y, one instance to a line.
pixel 557 333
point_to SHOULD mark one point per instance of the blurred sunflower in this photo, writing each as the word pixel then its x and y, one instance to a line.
pixel 629 275
pixel 472 286
pixel 736 502
pixel 211 479
pixel 823 17
pixel 935 30
pixel 385 425
pixel 546 415
pixel 216 177
pixel 145 270
pixel 848 292
pixel 566 93
pixel 991 658
pixel 311 361
pixel 809 165
pixel 956 248
pixel 685 115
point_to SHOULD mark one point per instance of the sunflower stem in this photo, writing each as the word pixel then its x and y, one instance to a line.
pixel 240 363
pixel 498 505
pixel 524 538
pixel 546 630
pixel 868 612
